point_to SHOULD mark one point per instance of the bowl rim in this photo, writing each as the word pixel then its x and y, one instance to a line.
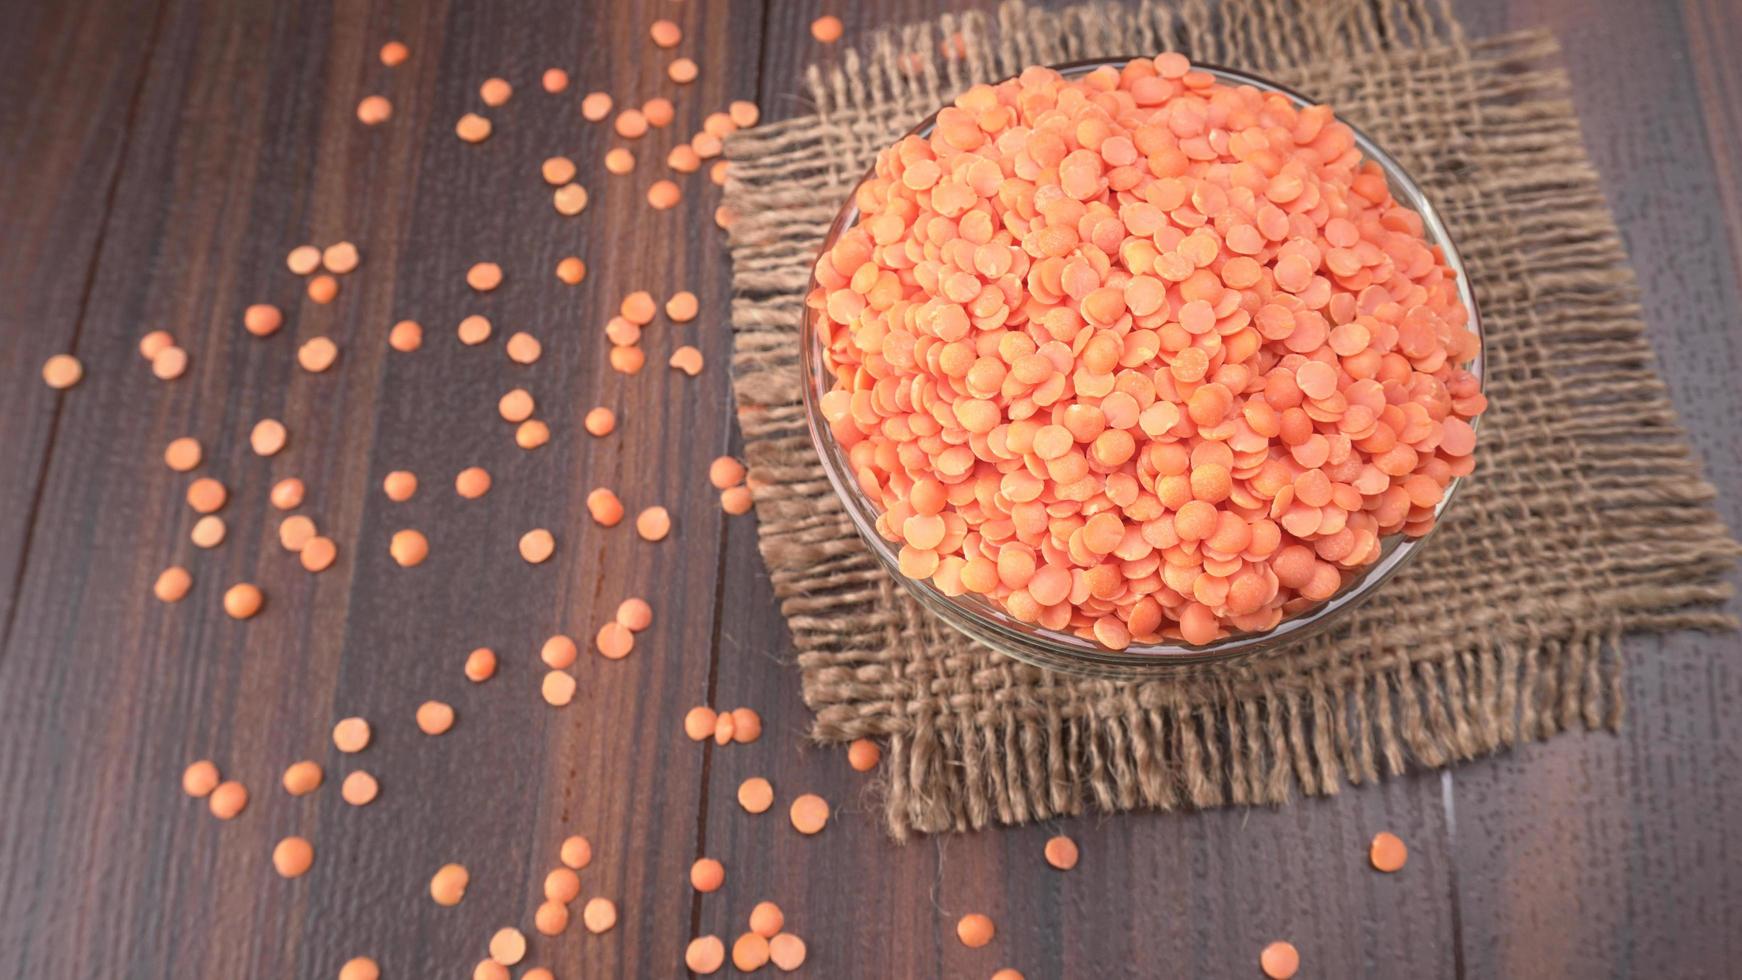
pixel 1067 651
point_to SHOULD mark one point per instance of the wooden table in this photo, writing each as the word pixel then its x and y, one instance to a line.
pixel 160 157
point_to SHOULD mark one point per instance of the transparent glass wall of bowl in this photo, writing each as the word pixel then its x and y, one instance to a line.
pixel 991 626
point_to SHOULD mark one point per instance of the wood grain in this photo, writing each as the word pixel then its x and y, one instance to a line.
pixel 1612 855
pixel 61 156
pixel 227 134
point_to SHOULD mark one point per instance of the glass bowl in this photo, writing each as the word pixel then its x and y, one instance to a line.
pixel 991 626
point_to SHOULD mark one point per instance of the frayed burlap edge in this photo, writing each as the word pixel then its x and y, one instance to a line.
pixel 1586 519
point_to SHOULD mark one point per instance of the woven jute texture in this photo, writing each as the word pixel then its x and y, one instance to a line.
pixel 1586 517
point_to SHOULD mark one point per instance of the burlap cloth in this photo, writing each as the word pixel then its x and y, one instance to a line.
pixel 1586 517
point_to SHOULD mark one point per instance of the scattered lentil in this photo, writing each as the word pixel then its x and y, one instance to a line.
pixel 766 920
pixel 595 106
pixel 635 614
pixel 682 71
pixel 474 330
pixel 664 195
pixel 743 114
pixel 153 342
pixel 508 946
pixel 615 641
pixel 303 259
pixel 554 80
pixel 786 951
pixel 472 482
pixel 576 852
pixel 268 437
pixel 746 726
pixel 687 359
pixel 484 276
pixel 295 531
pixel 698 723
pixel 292 857
pixel 302 778
pixel 406 336
pixel 208 531
pixel 558 688
pixel 489 969
pixel 600 421
pixel 863 755
pixel 551 918
pixel 359 788
pixel 605 507
pixel 809 813
pixel 399 485
pixel 735 500
pixel 323 289
pixel 631 124
pixel 206 495
pixel 531 434
pixel 653 524
pixel 755 795
pixel 666 34
pixel 318 554
pixel 374 110
pixel 571 270
pixel 317 354
pixel 975 930
pixel 557 171
pixel 1387 852
pixel 287 493
pixel 242 600
pixel 725 473
pixel 705 955
pixel 394 53
pixel 472 128
pixel 570 199
pixel 599 914
pixel 1279 960
pixel 627 360
pixel 448 885
pixel 827 29
pixel 351 735
pixel 495 92
pixel 1061 852
pixel 360 968
pixel 537 545
pixel 707 875
pixel 227 799
pixel 169 363
pixel 750 952
pixel 409 548
pixel 524 348
pixel 340 258
pixel 559 652
pixel 480 665
pixel 172 584
pixel 435 717
pixel 262 319
pixel 183 454
pixel 199 779
pixel 659 112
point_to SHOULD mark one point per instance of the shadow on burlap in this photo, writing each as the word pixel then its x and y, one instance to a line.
pixel 1585 519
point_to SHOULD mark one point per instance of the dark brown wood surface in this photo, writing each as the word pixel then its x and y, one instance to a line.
pixel 162 157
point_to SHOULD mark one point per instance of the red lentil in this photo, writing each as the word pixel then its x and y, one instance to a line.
pixel 735 500
pixel 809 813
pixel 394 53
pixel 1279 960
pixel 474 330
pixel 373 110
pixel 200 779
pixel 1387 853
pixel 576 852
pixel 786 951
pixel 359 788
pixel 653 524
pixel 302 778
pixel 406 336
pixel 975 930
pixel 495 92
pixel 705 955
pixel 755 795
pixel 318 554
pixel 262 319
pixel 750 953
pixel 480 665
pixel 826 29
pixel 172 584
pixel 293 857
pixel 227 799
pixel 766 920
pixel 1061 852
pixel 1172 446
pixel 448 885
pixel 707 875
pixel 600 421
pixel 537 545
pixel 863 755
pixel 287 493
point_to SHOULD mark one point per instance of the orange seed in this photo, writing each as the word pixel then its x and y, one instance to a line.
pixel 537 545
pixel 302 778
pixel 975 930
pixel 863 755
pixel 351 735
pixel 227 799
pixel 809 813
pixel 707 875
pixel 1279 960
pixel 399 485
pixel 448 885
pixel 755 795
pixel 242 600
pixel 1387 852
pixel 199 779
pixel 292 857
pixel 359 788
pixel 480 665
pixel 434 717
pixel 409 548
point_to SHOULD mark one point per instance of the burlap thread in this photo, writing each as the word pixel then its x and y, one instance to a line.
pixel 1586 518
